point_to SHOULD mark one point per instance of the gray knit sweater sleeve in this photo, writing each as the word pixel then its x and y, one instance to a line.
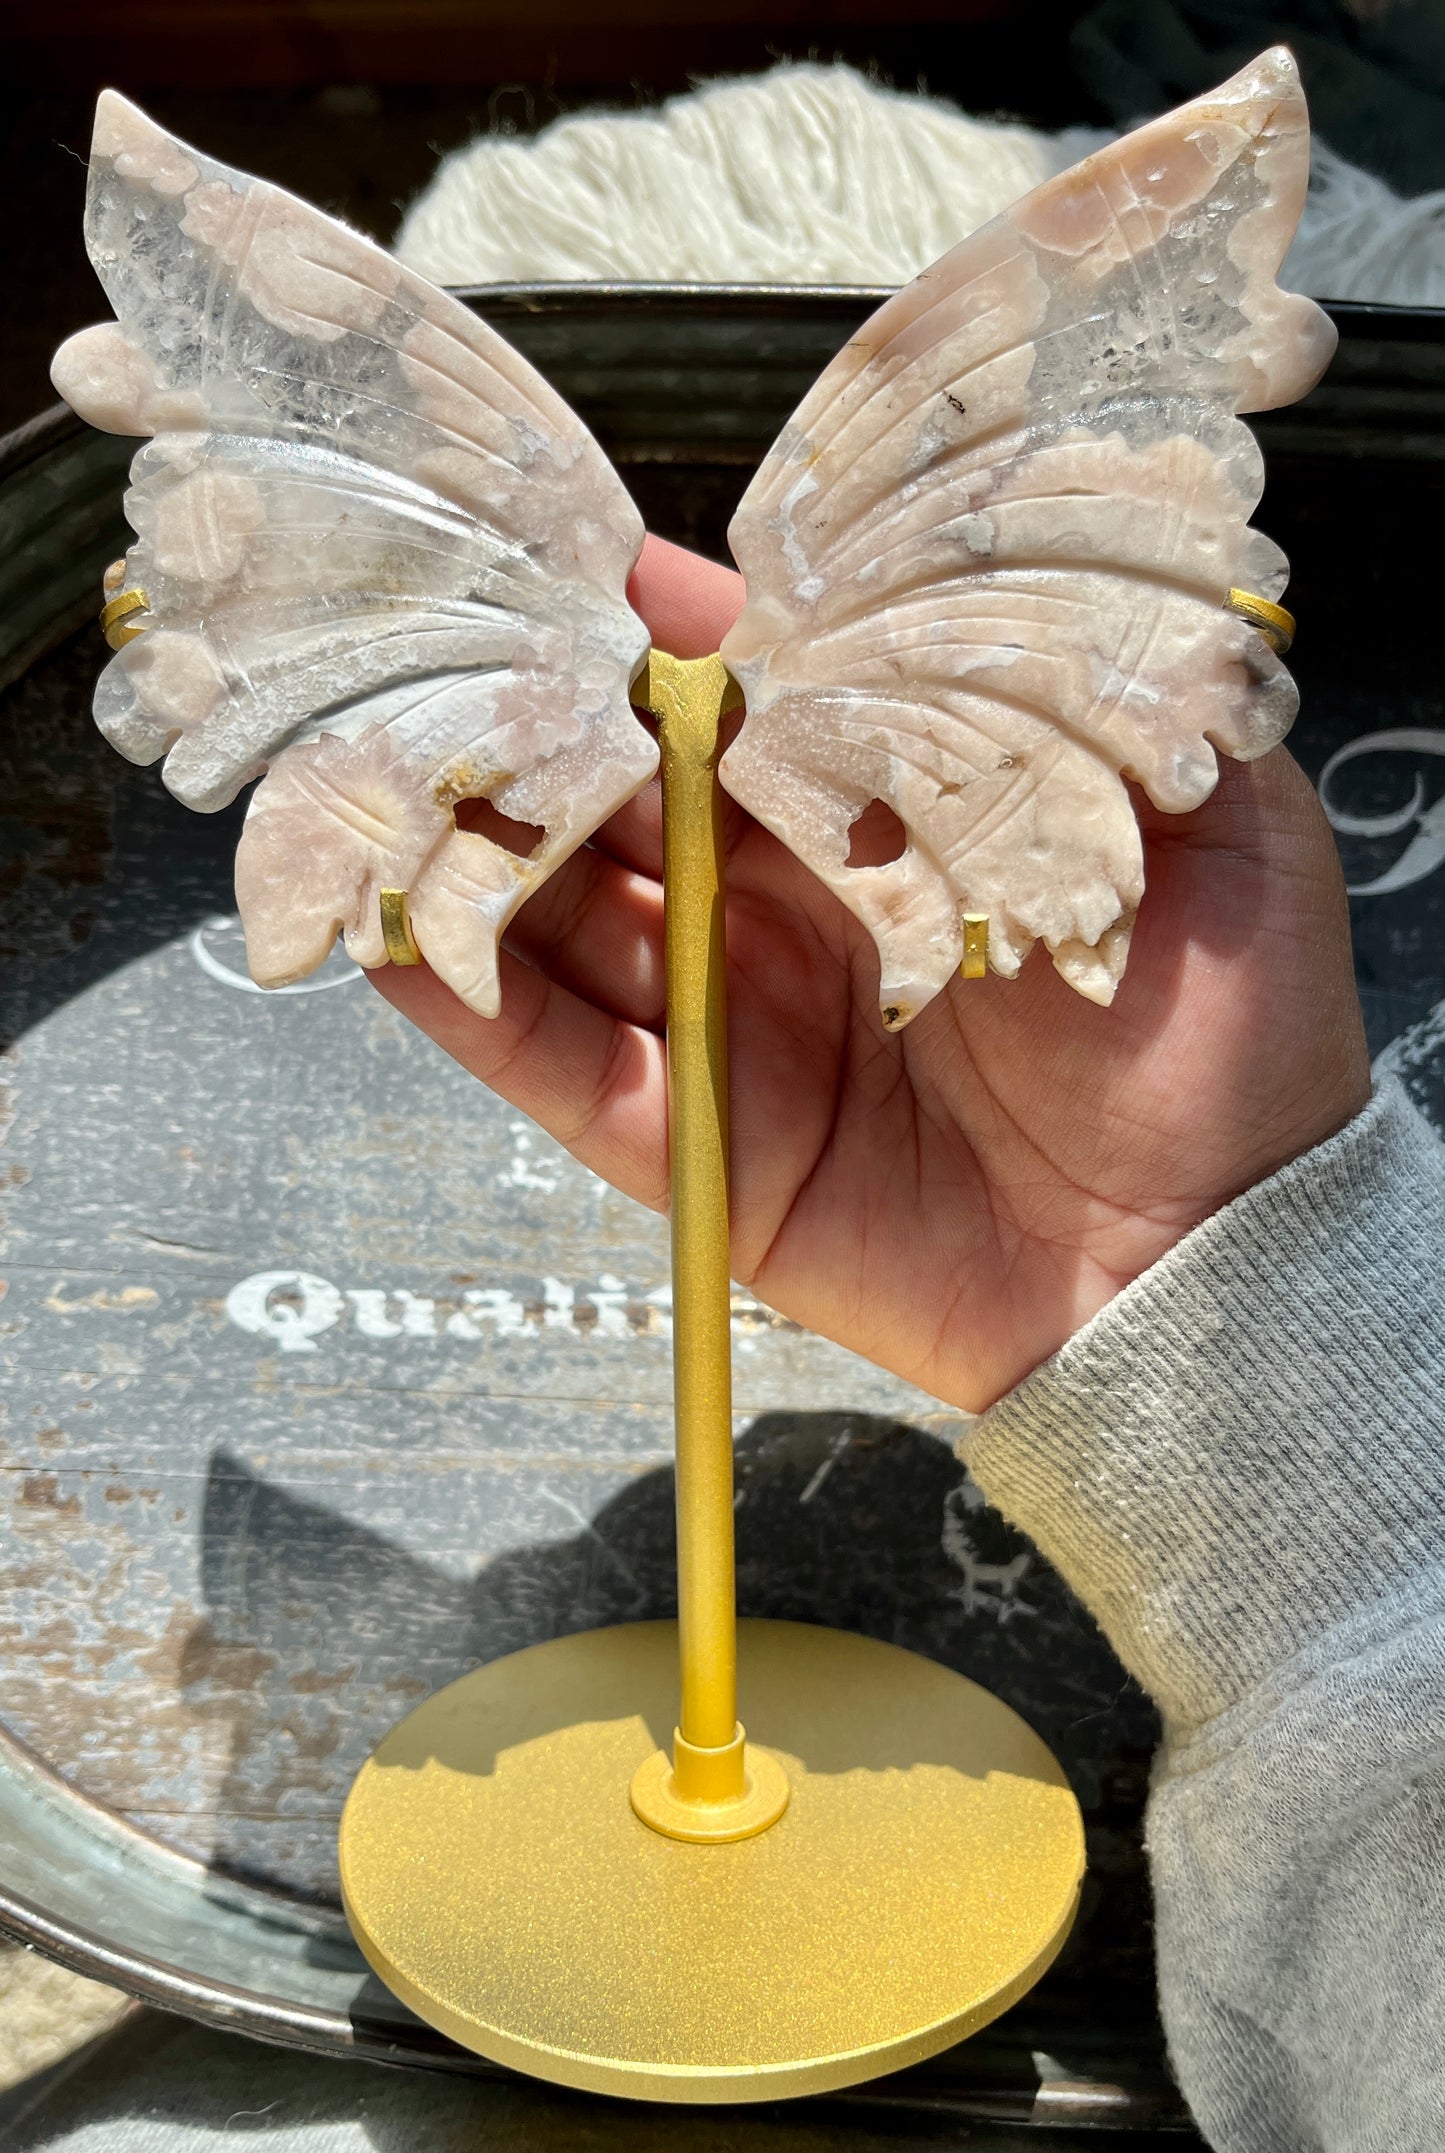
pixel 1239 1465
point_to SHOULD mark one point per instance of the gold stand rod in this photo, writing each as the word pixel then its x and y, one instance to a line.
pixel 698 1150
pixel 711 1772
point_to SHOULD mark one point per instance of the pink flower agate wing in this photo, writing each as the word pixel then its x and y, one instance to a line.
pixel 986 561
pixel 383 561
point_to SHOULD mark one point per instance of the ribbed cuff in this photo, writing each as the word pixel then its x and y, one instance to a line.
pixel 1247 1447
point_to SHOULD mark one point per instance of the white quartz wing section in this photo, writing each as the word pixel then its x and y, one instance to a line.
pixel 385 563
pixel 986 560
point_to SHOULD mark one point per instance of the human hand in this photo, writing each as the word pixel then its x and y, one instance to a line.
pixel 955 1200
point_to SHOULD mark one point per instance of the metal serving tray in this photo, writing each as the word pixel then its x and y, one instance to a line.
pixel 243 1533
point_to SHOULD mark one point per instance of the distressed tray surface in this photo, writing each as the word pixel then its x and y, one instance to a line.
pixel 327 1375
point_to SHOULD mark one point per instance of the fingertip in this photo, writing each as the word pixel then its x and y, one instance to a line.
pixel 688 603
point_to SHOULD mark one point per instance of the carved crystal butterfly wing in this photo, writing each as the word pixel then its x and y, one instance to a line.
pixel 987 560
pixel 382 562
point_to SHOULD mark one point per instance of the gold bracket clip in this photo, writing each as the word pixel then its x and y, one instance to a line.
pixel 975 946
pixel 113 613
pixel 396 928
pixel 1273 622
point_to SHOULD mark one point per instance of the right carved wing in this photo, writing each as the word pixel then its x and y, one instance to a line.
pixel 988 560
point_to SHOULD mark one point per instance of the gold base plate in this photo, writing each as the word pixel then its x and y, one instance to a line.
pixel 924 1874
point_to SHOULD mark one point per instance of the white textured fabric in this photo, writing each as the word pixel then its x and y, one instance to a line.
pixel 812 175
pixel 805 175
pixel 1360 240
pixel 1239 1466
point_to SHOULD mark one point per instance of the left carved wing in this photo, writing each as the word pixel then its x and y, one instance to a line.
pixel 987 560
pixel 382 561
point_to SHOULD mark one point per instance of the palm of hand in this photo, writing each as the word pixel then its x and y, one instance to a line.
pixel 956 1200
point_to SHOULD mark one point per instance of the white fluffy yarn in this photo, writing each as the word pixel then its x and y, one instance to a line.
pixel 805 175
pixel 812 175
pixel 1358 239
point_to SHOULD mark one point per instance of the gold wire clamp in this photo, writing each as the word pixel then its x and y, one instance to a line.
pixel 396 928
pixel 1273 622
pixel 113 615
pixel 975 946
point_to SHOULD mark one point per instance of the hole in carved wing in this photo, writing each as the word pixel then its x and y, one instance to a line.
pixel 484 820
pixel 876 837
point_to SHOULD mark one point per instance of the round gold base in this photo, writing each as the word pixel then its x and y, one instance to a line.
pixel 923 1875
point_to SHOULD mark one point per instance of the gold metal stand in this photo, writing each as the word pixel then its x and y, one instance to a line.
pixel 892 1864
pixel 715 1787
